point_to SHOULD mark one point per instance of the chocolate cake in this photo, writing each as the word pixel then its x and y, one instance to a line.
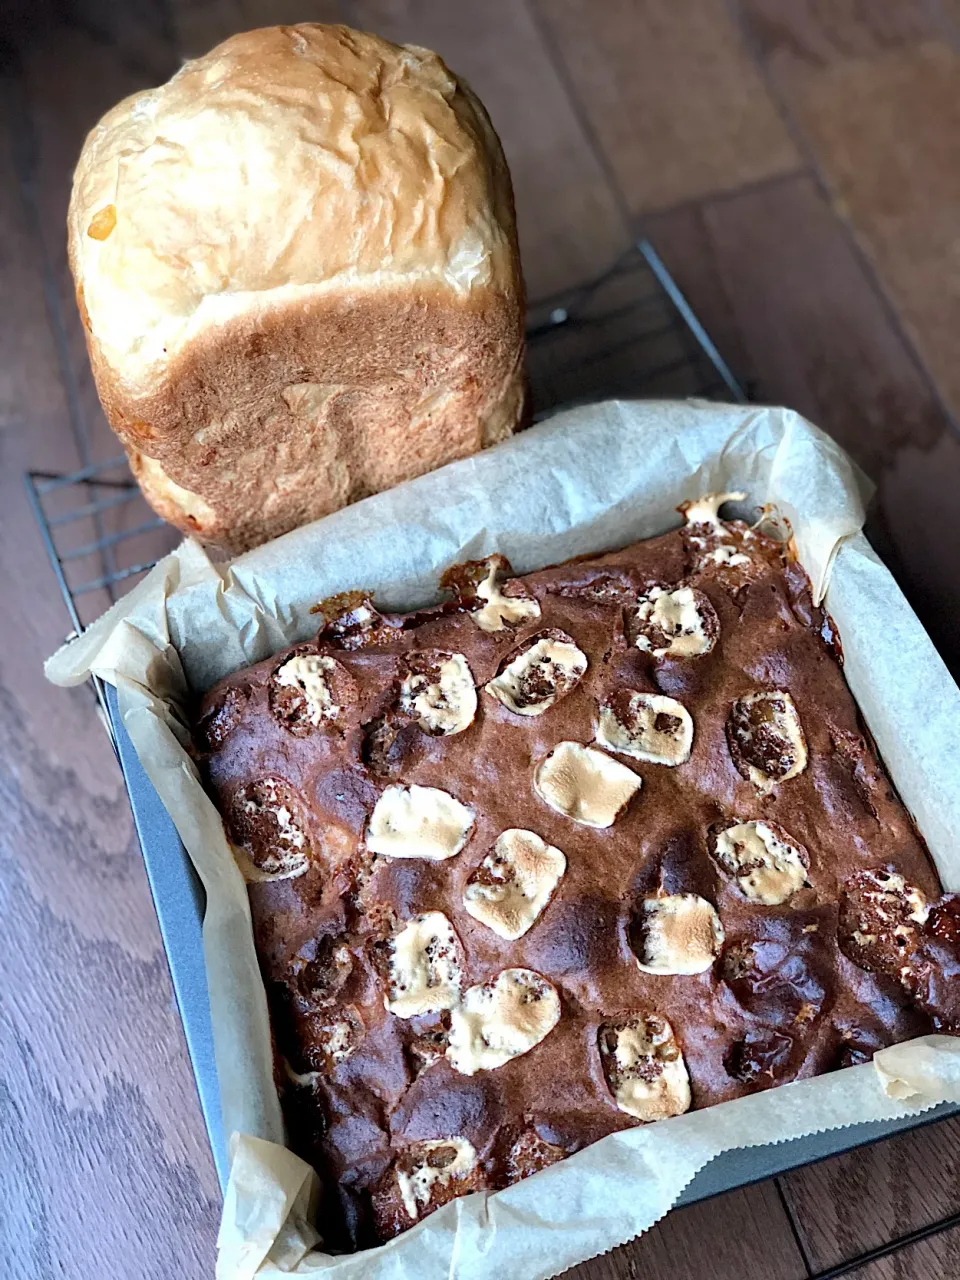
pixel 568 853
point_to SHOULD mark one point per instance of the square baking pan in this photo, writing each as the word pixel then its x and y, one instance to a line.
pixel 694 369
pixel 179 901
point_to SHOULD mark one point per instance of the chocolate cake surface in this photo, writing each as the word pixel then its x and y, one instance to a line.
pixel 572 852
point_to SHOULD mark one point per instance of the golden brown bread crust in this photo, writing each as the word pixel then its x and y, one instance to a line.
pixel 820 962
pixel 297 269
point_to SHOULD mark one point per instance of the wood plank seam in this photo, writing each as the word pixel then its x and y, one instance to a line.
pixel 554 53
pixel 822 182
pixel 695 203
pixel 636 222
pixel 794 1226
pixel 892 1247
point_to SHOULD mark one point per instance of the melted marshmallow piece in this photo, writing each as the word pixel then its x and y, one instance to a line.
pixel 514 882
pixel 644 1067
pixel 529 1154
pixel 678 933
pixel 706 509
pixel 892 883
pixel 545 671
pixel 676 624
pixel 443 698
pixel 585 784
pixel 501 1020
pixel 301 1079
pixel 221 720
pixel 331 1043
pixel 435 1163
pixel 269 840
pixel 766 738
pixel 766 864
pixel 425 967
pixel 287 867
pixel 499 611
pixel 704 513
pixel 727 554
pixel 308 674
pixel 648 726
pixel 880 920
pixel 418 822
pixel 338 1039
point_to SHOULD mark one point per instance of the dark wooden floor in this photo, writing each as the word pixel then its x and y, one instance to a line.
pixel 797 164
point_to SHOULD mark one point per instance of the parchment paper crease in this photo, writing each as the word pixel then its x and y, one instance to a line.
pixel 586 481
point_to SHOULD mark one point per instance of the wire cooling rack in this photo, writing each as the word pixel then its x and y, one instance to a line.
pixel 630 332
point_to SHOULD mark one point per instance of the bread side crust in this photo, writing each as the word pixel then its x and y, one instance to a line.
pixel 302 414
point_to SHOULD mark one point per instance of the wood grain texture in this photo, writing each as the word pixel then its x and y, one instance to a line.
pixel 674 100
pixel 856 1202
pixel 744 1235
pixel 200 24
pixel 775 277
pixel 821 33
pixel 809 318
pixel 567 213
pixel 105 1171
pixel 883 123
pixel 935 1259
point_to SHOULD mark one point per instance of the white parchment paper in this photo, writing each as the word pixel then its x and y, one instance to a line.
pixel 586 481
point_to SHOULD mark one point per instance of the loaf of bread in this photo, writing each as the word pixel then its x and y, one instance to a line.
pixel 570 853
pixel 297 268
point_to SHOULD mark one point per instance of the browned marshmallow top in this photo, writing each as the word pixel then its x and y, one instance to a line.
pixel 570 853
